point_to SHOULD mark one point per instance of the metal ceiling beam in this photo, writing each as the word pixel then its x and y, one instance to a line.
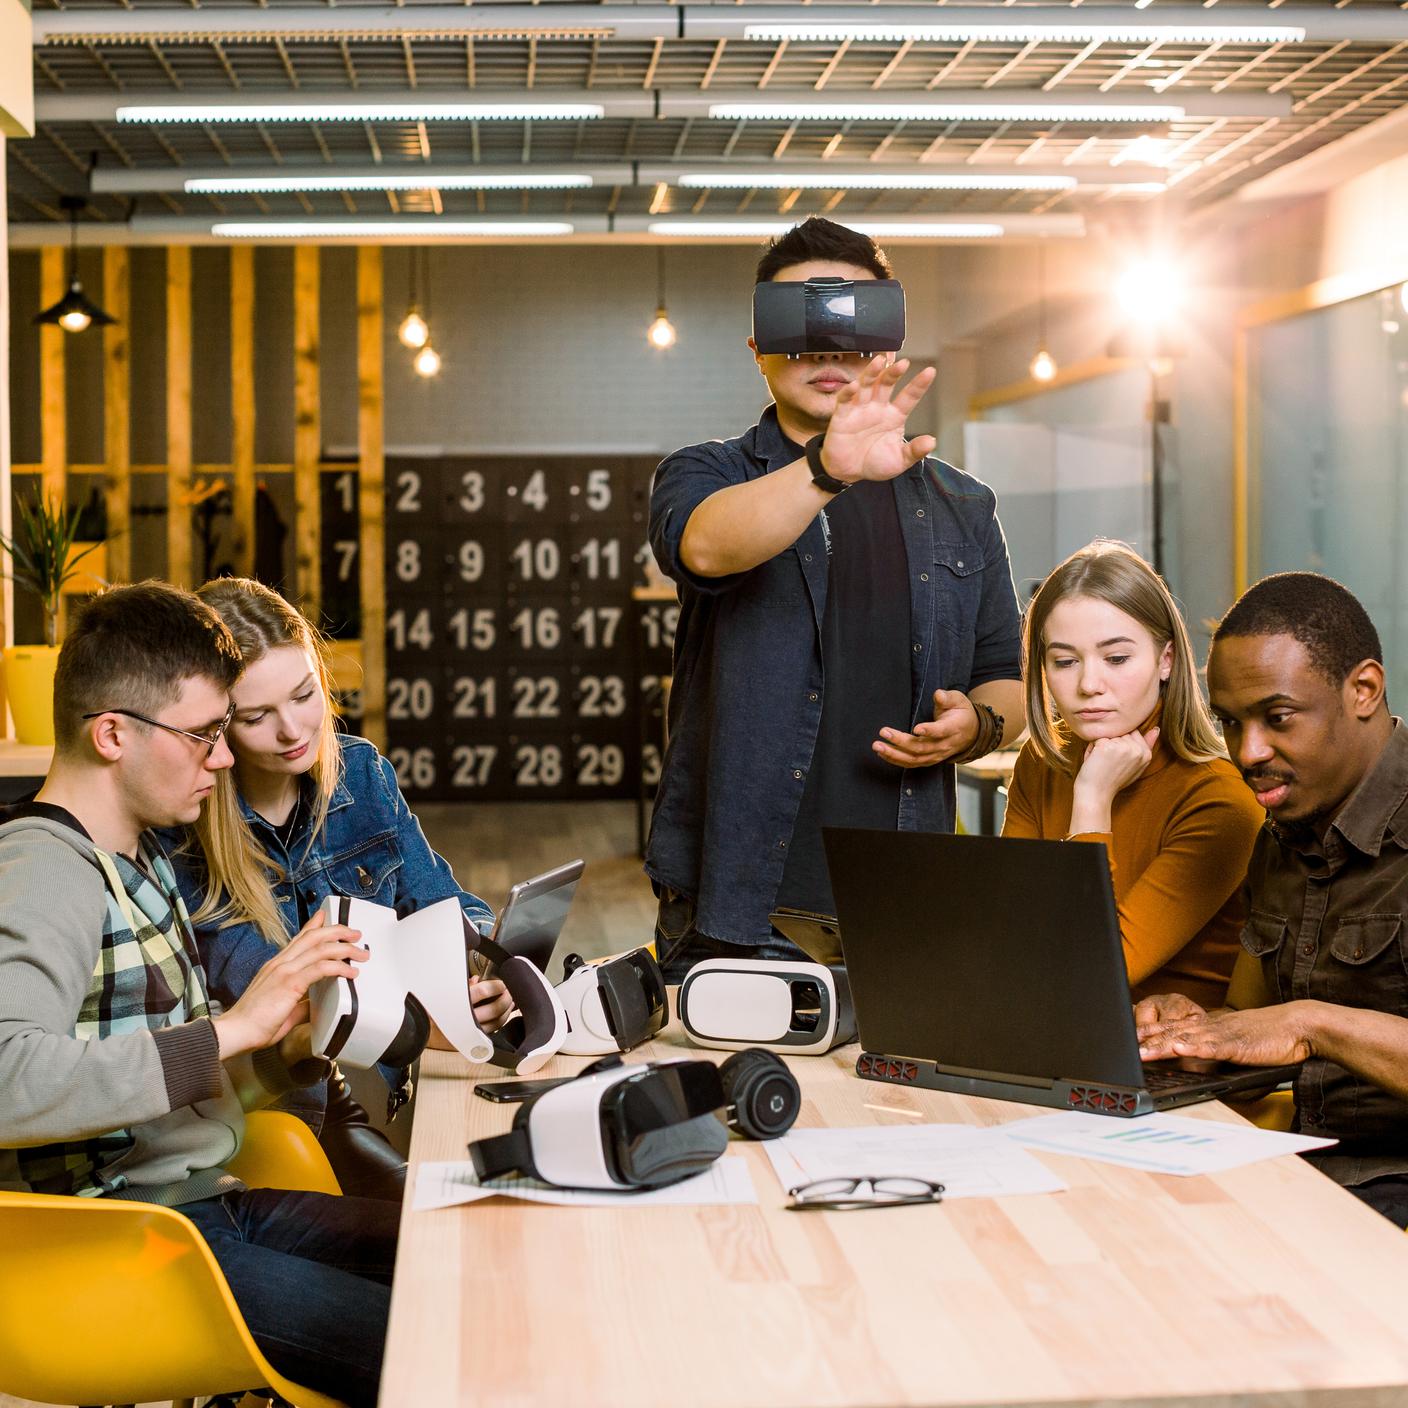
pixel 103 107
pixel 138 180
pixel 878 23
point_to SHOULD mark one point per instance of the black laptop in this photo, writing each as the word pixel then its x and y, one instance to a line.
pixel 993 967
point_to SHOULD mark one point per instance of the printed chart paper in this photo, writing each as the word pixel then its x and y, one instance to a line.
pixel 969 1162
pixel 443 1185
pixel 1158 1143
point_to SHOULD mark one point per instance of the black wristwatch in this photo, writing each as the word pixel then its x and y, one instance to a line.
pixel 827 482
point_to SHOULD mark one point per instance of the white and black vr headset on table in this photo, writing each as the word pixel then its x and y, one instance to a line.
pixel 621 1127
pixel 418 971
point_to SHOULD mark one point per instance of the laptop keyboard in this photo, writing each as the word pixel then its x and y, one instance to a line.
pixel 1166 1078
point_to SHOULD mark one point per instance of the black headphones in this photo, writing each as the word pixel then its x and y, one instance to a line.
pixel 762 1097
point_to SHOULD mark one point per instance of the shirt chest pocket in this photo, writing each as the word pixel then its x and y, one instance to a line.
pixel 367 874
pixel 1366 967
pixel 957 580
pixel 1264 937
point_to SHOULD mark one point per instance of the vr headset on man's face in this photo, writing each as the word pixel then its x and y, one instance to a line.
pixel 828 314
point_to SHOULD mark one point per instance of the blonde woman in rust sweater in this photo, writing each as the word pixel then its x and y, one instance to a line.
pixel 1124 751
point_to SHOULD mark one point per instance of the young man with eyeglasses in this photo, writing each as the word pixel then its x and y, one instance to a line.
pixel 121 1079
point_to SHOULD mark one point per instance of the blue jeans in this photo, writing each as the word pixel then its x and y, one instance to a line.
pixel 311 1274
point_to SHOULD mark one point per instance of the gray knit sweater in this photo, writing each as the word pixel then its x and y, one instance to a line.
pixel 111 1082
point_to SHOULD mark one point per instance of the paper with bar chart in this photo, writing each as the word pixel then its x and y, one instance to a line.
pixel 1157 1143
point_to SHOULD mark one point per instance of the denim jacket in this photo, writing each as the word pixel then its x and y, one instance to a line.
pixel 370 847
pixel 746 704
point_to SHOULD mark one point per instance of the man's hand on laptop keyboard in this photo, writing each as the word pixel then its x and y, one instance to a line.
pixel 1155 1013
pixel 1262 1036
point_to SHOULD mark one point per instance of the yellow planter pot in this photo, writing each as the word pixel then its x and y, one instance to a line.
pixel 29 686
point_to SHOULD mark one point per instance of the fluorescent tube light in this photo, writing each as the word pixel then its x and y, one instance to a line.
pixel 1065 31
pixel 871 181
pixel 364 110
pixel 381 229
pixel 996 111
pixel 427 180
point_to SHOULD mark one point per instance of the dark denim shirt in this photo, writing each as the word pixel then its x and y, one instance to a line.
pixel 746 702
pixel 1329 920
pixel 371 847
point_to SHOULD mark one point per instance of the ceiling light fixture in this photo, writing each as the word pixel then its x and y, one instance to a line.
pixel 427 180
pixel 75 311
pixel 414 331
pixel 661 334
pixel 1043 365
pixel 364 110
pixel 383 229
pixel 871 181
pixel 1063 31
pixel 427 362
pixel 1025 110
pixel 916 229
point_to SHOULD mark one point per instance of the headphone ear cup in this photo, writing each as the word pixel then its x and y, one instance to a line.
pixel 762 1097
pixel 410 1041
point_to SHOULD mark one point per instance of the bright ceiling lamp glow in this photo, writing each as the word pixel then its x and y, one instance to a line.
pixel 366 110
pixel 426 362
pixel 424 181
pixel 872 181
pixel 1143 151
pixel 723 229
pixel 1043 367
pixel 382 229
pixel 1065 31
pixel 996 111
pixel 1151 292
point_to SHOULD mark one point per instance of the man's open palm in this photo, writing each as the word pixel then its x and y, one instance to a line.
pixel 865 439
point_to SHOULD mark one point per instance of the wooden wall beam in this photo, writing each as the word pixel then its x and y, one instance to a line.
pixel 372 466
pixel 53 411
pixel 242 416
pixel 178 415
pixel 307 432
pixel 117 408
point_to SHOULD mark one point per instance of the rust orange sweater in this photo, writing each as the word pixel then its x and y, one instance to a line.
pixel 1182 836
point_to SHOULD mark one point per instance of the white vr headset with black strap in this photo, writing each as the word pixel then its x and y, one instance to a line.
pixel 613 1004
pixel 800 1009
pixel 418 972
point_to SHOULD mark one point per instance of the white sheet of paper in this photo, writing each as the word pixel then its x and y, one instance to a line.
pixel 443 1185
pixel 1162 1143
pixel 969 1162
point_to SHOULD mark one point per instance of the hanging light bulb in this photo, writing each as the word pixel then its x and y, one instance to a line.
pixel 414 330
pixel 75 311
pixel 661 334
pixel 427 362
pixel 1043 365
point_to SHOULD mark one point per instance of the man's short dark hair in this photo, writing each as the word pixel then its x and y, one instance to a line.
pixel 133 648
pixel 1325 617
pixel 816 238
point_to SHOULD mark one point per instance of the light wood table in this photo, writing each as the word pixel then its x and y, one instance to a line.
pixel 1266 1284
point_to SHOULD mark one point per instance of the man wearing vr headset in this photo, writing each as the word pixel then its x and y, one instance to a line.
pixel 121 1078
pixel 848 627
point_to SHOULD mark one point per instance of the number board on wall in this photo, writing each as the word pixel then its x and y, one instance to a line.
pixel 517 664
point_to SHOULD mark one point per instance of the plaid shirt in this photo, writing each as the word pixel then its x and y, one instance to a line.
pixel 147 976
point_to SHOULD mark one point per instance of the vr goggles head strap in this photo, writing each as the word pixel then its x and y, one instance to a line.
pixel 526 1041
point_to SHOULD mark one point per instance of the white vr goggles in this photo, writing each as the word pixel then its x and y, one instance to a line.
pixel 801 1009
pixel 613 1004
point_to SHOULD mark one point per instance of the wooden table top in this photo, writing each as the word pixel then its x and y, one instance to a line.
pixel 1266 1283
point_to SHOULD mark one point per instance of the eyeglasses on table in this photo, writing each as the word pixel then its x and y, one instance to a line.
pixel 876 1191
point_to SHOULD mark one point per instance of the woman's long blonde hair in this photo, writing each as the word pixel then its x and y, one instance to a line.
pixel 1113 572
pixel 241 875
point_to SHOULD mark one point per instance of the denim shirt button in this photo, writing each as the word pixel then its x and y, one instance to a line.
pixel 806 557
pixel 796 772
pixel 923 576
pixel 919 513
pixel 917 647
pixel 782 845
pixel 812 697
pixel 364 877
pixel 909 791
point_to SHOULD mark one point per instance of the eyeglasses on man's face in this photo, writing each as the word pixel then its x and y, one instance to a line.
pixel 846 1194
pixel 209 740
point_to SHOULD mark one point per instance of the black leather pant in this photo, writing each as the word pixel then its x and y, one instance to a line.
pixel 363 1159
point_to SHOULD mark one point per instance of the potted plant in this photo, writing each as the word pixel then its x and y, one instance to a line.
pixel 41 561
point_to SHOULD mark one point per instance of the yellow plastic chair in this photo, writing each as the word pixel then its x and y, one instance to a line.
pixel 103 1301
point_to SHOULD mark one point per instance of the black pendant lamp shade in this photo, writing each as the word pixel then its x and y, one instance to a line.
pixel 75 311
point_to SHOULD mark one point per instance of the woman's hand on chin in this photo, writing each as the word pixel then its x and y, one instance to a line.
pixel 1110 765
